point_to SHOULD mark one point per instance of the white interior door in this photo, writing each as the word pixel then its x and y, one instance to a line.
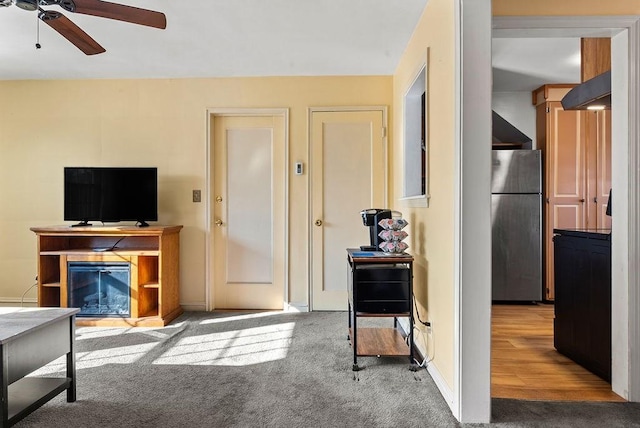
pixel 248 212
pixel 348 174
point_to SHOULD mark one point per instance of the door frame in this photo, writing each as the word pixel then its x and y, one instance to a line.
pixel 385 154
pixel 212 113
pixel 625 42
pixel 471 398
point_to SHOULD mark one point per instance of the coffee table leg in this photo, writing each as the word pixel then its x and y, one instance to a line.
pixel 4 392
pixel 71 360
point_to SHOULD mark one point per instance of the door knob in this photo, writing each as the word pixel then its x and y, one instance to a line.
pixel 218 199
pixel 218 222
pixel 582 200
pixel 318 222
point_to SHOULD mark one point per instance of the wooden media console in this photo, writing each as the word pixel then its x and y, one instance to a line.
pixel 153 254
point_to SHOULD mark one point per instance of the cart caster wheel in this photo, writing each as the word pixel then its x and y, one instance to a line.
pixel 355 368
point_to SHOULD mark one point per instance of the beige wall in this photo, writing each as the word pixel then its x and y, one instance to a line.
pixel 565 7
pixel 431 230
pixel 47 125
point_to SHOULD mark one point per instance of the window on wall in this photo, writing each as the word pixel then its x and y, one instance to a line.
pixel 415 142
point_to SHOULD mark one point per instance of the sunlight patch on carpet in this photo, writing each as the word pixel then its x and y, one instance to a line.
pixel 241 317
pixel 86 360
pixel 232 348
pixel 85 333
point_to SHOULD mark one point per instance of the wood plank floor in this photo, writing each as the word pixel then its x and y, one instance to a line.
pixel 525 365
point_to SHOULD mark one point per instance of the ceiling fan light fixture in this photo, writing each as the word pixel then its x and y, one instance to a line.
pixel 29 5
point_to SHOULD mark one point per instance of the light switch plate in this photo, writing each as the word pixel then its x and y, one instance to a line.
pixel 197 196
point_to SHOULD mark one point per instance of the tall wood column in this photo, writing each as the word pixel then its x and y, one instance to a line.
pixel 596 59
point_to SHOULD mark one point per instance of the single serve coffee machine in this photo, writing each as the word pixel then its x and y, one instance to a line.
pixel 370 218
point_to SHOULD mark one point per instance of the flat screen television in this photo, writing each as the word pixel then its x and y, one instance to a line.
pixel 110 194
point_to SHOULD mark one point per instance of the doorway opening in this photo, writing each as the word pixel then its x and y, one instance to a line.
pixel 623 32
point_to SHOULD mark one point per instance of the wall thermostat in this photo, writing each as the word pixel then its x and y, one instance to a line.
pixel 299 168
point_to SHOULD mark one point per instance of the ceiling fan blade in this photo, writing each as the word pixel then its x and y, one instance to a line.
pixel 119 12
pixel 71 32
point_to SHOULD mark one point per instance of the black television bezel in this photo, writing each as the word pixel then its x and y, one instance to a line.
pixel 100 195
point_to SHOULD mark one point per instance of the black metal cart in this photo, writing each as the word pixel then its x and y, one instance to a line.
pixel 380 285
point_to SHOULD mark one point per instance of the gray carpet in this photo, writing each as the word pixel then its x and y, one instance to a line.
pixel 267 370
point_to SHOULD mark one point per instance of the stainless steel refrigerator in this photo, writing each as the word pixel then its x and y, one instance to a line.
pixel 516 225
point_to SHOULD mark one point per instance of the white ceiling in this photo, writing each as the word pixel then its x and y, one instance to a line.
pixel 226 38
pixel 524 64
pixel 217 38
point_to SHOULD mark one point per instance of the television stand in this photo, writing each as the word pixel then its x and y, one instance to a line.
pixel 153 254
pixel 142 223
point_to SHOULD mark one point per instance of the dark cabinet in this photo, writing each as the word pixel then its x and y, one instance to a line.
pixel 382 289
pixel 582 324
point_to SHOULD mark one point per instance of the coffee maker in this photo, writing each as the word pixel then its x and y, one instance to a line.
pixel 370 218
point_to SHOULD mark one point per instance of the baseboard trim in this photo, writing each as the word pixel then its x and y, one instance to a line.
pixel 296 307
pixel 194 306
pixel 16 301
pixel 433 371
pixel 201 306
pixel 442 385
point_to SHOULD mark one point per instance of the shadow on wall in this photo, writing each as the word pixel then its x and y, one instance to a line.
pixel 416 237
pixel 420 264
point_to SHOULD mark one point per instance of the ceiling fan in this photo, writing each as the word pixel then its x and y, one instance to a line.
pixel 103 9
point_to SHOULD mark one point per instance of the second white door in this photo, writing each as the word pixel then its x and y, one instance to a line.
pixel 348 174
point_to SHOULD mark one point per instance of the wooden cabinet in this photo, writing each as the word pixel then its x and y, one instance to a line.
pixel 152 253
pixel 599 168
pixel 582 323
pixel 576 150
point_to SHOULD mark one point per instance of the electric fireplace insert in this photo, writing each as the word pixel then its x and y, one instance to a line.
pixel 99 289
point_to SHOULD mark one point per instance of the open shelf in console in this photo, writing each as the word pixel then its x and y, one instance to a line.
pixel 154 286
pixel 148 285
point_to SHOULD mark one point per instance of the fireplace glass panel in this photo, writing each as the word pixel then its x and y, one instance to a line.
pixel 99 289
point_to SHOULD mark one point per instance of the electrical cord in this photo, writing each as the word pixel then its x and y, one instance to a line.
pixel 415 305
pixel 27 290
pixel 426 359
pixel 114 246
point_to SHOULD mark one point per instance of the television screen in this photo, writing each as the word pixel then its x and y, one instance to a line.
pixel 110 194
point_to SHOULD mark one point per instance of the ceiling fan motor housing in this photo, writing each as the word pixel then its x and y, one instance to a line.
pixel 68 5
pixel 30 5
